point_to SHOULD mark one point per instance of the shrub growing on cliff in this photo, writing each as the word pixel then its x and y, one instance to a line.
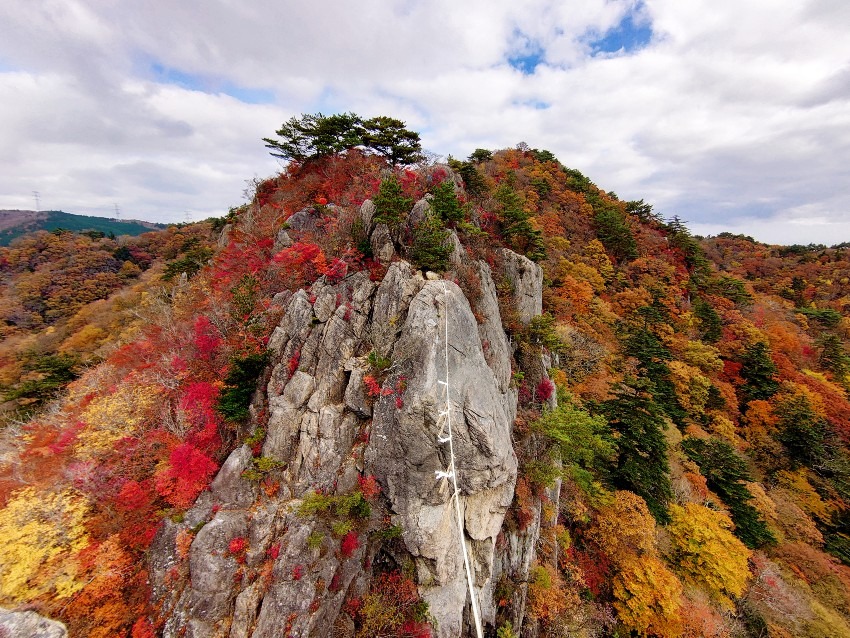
pixel 430 249
pixel 240 382
pixel 391 205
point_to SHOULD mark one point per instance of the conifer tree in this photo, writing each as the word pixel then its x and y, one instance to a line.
pixel 391 205
pixel 642 465
pixel 759 374
pixel 726 473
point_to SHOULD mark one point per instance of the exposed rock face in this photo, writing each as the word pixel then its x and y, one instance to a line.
pixel 526 277
pixel 244 563
pixel 406 454
pixel 28 624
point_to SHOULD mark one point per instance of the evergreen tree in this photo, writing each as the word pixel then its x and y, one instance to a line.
pixel 614 232
pixel 390 138
pixel 445 203
pixel 710 323
pixel 516 227
pixel 430 248
pixel 833 356
pixel 642 465
pixel 310 137
pixel 725 472
pixel 652 356
pixel 801 430
pixel 759 374
pixel 391 205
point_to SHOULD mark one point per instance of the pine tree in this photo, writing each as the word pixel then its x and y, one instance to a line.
pixel 759 374
pixel 642 465
pixel 430 249
pixel 391 205
pixel 726 473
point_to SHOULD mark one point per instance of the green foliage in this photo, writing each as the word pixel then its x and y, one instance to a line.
pixel 506 631
pixel 833 356
pixel 53 372
pixel 480 155
pixel 711 326
pixel 240 383
pixel 541 332
pixel 314 540
pixel 516 227
pixel 390 138
pixel 244 296
pixel 679 237
pixel 391 205
pixel 759 373
pixel 378 362
pixel 652 356
pixel 725 473
pixel 641 465
pixel 473 180
pixel 313 136
pixel 581 442
pixel 310 137
pixel 260 468
pixel 643 211
pixel 430 248
pixel 731 288
pixel 801 430
pixel 192 261
pixel 341 528
pixel 343 505
pixel 445 203
pixel 613 231
pixel 827 317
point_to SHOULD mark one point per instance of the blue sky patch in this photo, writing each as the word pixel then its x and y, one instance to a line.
pixel 626 37
pixel 537 105
pixel 528 56
pixel 205 84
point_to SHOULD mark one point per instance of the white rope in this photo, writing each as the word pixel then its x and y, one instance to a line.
pixel 445 436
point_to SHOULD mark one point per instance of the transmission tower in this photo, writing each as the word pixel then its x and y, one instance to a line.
pixel 37 202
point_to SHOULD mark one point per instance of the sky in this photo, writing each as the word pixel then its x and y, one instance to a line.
pixel 733 115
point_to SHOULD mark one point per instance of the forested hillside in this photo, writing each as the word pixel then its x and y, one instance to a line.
pixel 681 431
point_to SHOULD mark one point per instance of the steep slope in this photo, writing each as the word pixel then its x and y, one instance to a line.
pixel 651 439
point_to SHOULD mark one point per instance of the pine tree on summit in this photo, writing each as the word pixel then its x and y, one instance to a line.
pixel 311 137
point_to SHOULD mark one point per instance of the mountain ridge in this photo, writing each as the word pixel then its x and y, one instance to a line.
pixel 15 223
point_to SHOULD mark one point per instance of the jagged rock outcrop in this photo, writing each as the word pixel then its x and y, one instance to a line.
pixel 243 562
pixel 28 624
pixel 526 279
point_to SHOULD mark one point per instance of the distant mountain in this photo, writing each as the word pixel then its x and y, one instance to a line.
pixel 14 223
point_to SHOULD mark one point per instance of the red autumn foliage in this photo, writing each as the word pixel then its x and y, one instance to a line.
pixel 188 473
pixel 237 545
pixel 205 338
pixel 350 543
pixel 369 486
pixel 544 390
pixel 372 385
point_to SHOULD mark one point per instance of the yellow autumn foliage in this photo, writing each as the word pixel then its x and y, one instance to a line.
pixel 110 417
pixel 648 597
pixel 40 533
pixel 706 552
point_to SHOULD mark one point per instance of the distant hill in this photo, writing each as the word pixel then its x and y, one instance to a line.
pixel 14 223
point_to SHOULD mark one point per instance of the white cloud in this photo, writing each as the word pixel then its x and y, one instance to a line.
pixel 735 114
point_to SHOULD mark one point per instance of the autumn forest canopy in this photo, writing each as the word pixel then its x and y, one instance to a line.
pixel 682 416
